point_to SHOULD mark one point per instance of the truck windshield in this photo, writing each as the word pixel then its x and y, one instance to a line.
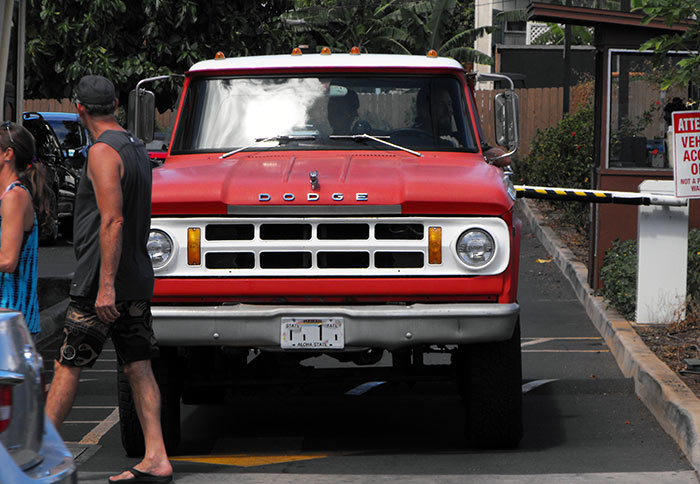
pixel 418 112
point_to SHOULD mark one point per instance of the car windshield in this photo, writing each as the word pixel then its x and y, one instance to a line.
pixel 417 112
pixel 69 133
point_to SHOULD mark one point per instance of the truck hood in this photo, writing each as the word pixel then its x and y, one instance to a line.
pixel 281 183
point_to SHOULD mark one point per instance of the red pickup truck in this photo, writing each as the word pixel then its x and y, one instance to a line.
pixel 335 204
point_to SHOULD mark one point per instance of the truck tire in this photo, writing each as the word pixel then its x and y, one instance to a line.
pixel 165 371
pixel 490 379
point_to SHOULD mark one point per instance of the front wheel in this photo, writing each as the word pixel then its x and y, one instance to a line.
pixel 490 378
pixel 165 372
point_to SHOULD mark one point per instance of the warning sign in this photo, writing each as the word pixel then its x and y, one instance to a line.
pixel 686 153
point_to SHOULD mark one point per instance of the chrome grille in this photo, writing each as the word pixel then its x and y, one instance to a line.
pixel 322 246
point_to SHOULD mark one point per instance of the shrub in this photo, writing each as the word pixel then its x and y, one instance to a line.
pixel 561 156
pixel 619 274
pixel 619 277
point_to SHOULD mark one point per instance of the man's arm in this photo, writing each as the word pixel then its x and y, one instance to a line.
pixel 12 212
pixel 105 172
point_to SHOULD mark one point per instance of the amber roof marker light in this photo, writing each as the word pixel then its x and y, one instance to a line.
pixel 296 51
pixel 355 50
pixel 432 53
pixel 326 51
pixel 219 55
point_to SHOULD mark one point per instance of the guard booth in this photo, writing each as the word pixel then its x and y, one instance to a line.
pixel 632 113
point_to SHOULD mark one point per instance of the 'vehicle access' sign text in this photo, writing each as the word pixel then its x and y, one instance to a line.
pixel 686 153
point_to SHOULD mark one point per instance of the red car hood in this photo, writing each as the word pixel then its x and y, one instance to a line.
pixel 437 183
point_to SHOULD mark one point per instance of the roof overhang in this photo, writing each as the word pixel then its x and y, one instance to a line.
pixel 593 17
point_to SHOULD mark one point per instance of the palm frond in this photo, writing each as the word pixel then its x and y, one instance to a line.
pixel 468 54
pixel 466 37
pixel 442 9
pixel 511 16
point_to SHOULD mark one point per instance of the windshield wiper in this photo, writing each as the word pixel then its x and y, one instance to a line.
pixel 281 139
pixel 379 139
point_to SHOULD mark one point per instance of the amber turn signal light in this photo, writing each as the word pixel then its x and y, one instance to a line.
pixel 434 245
pixel 194 246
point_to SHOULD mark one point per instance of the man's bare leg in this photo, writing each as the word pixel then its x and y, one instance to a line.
pixel 62 392
pixel 147 401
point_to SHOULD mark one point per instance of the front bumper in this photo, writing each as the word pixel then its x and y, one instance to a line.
pixel 385 326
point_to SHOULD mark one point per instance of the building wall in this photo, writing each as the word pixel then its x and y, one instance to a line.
pixel 543 65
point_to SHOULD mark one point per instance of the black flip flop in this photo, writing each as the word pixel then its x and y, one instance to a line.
pixel 141 477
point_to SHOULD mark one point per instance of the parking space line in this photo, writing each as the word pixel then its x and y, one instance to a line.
pixel 94 436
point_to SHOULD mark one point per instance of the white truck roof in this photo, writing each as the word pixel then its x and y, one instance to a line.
pixel 288 61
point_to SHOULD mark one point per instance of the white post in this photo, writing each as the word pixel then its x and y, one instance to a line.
pixel 662 249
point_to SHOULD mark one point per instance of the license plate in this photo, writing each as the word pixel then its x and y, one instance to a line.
pixel 312 333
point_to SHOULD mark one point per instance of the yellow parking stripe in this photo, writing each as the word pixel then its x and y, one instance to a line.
pixel 243 460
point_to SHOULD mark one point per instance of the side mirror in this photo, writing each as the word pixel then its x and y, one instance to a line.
pixel 507 119
pixel 142 112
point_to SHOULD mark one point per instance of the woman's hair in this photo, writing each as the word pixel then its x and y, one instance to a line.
pixel 30 172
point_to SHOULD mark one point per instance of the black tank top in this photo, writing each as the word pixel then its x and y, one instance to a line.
pixel 134 278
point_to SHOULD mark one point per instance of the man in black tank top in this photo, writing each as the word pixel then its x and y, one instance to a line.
pixel 111 293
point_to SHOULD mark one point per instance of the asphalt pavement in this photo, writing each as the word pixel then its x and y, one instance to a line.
pixel 580 418
pixel 674 405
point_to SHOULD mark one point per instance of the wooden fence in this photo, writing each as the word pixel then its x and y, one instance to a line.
pixel 540 108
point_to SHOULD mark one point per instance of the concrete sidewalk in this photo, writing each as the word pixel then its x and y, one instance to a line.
pixel 670 400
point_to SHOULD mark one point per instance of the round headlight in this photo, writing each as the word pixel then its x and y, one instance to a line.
pixel 475 247
pixel 160 248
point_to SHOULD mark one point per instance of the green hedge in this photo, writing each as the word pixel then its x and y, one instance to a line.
pixel 561 156
pixel 619 274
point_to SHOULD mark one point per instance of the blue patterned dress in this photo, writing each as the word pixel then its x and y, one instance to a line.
pixel 18 288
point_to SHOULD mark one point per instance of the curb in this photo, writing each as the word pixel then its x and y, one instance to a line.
pixel 670 400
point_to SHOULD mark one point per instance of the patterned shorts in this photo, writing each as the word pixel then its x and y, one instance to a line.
pixel 85 333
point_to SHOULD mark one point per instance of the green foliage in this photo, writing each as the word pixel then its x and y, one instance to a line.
pixel 562 156
pixel 694 265
pixel 393 26
pixel 619 277
pixel 675 12
pixel 619 274
pixel 128 40
pixel 342 25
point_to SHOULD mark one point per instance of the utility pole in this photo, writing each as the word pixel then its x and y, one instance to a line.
pixel 567 64
pixel 12 35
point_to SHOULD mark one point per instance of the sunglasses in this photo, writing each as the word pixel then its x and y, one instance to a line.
pixel 6 125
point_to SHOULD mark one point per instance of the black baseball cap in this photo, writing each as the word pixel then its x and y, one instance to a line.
pixel 93 89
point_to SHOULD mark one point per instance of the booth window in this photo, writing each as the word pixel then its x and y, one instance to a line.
pixel 640 111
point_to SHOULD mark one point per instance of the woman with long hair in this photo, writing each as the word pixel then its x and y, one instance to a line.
pixel 21 190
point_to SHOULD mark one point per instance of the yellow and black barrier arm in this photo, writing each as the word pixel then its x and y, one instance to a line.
pixel 597 196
